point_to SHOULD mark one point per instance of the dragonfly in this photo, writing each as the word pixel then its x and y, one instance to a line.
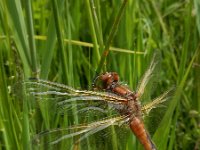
pixel 112 94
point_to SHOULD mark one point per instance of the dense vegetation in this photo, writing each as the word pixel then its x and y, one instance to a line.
pixel 63 41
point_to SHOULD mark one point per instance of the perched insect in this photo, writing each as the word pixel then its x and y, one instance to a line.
pixel 109 82
pixel 110 92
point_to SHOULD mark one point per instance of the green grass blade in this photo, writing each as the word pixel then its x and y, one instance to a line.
pixel 197 13
pixel 8 126
pixel 31 39
pixel 48 52
pixel 60 37
pixel 110 37
pixel 164 127
pixel 18 27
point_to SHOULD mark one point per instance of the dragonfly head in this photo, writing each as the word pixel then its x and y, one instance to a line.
pixel 105 81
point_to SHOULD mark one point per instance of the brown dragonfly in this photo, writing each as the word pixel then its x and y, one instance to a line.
pixel 110 92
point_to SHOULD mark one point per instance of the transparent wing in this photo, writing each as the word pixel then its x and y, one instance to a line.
pixel 89 106
pixel 64 99
pixel 160 99
pixel 146 77
pixel 79 132
pixel 42 88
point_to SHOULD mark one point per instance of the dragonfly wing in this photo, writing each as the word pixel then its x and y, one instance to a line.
pixel 42 88
pixel 160 99
pixel 82 131
pixel 146 77
pixel 74 101
pixel 86 107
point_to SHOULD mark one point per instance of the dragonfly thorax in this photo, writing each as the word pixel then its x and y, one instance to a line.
pixel 109 82
pixel 134 108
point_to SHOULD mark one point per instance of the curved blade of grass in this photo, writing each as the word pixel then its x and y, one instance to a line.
pixel 17 24
pixel 197 11
pixel 162 133
pixel 31 40
pixel 7 123
pixel 111 36
pixel 56 13
pixel 84 44
pixel 50 45
pixel 93 33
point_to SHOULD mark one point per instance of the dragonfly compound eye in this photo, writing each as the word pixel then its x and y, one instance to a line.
pixel 105 80
pixel 109 78
pixel 115 76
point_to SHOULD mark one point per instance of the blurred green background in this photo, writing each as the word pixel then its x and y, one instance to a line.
pixel 63 41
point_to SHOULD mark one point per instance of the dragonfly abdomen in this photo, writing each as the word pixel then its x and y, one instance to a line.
pixel 137 127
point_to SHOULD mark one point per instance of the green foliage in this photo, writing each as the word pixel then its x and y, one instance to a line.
pixel 52 40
